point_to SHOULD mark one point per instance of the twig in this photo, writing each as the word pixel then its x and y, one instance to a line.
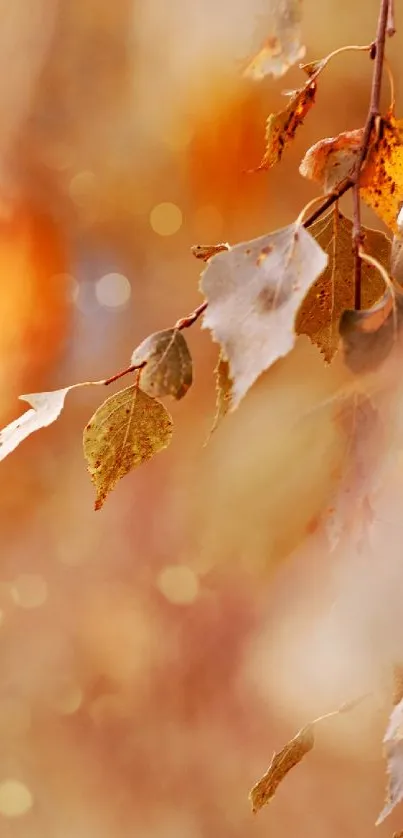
pixel 120 374
pixel 185 322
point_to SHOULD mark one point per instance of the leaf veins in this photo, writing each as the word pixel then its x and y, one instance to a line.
pixel 168 364
pixel 125 431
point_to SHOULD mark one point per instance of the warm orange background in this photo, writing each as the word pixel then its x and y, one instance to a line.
pixel 154 654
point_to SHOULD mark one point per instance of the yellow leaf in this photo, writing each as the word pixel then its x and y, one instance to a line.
pixel 382 178
pixel 281 126
pixel 281 764
pixel 168 364
pixel 333 292
pixel 223 392
pixel 125 431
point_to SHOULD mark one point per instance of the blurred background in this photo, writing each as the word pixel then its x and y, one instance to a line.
pixel 153 655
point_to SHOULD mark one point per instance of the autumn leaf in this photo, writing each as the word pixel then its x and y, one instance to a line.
pixel 382 178
pixel 332 159
pixel 281 126
pixel 397 684
pixel 125 431
pixel 367 337
pixel 333 292
pixel 282 762
pixel 206 251
pixel 46 408
pixel 168 364
pixel 253 292
pixel 393 742
pixel 223 392
pixel 282 47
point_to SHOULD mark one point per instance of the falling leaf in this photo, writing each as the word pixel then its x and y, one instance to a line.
pixel 206 251
pixel 46 408
pixel 282 48
pixel 281 126
pixel 333 159
pixel 320 312
pixel 125 431
pixel 351 511
pixel 281 764
pixel 393 743
pixel 253 292
pixel 223 391
pixel 382 178
pixel 168 364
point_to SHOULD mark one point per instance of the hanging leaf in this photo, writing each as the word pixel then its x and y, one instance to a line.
pixel 331 294
pixel 168 364
pixel 206 251
pixel 292 754
pixel 46 408
pixel 281 126
pixel 382 177
pixel 125 431
pixel 282 47
pixel 223 392
pixel 253 292
pixel 333 159
pixel 393 743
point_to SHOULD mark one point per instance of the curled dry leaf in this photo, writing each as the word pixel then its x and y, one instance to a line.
pixel 223 392
pixel 332 159
pixel 168 364
pixel 393 746
pixel 253 292
pixel 206 251
pixel 46 408
pixel 333 292
pixel 125 431
pixel 382 178
pixel 282 47
pixel 281 764
pixel 281 126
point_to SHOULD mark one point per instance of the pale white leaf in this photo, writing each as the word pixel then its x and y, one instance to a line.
pixel 45 409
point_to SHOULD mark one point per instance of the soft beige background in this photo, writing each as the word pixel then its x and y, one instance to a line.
pixel 153 655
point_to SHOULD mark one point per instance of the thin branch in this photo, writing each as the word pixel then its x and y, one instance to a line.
pixel 185 322
pixel 120 374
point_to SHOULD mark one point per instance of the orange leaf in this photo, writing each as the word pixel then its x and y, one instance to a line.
pixel 382 178
pixel 281 126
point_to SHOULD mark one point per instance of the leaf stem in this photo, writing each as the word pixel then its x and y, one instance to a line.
pixel 185 322
pixel 120 374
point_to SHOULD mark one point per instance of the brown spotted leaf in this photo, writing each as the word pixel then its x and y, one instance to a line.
pixel 281 126
pixel 253 292
pixel 125 431
pixel 333 292
pixel 382 177
pixel 333 159
pixel 282 762
pixel 168 364
pixel 393 747
pixel 282 47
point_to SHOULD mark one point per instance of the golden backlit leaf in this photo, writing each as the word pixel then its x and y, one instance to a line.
pixel 333 159
pixel 282 47
pixel 281 126
pixel 125 431
pixel 253 292
pixel 393 742
pixel 382 177
pixel 206 251
pixel 333 292
pixel 282 762
pixel 46 408
pixel 223 392
pixel 168 369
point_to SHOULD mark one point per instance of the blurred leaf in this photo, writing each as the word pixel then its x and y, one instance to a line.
pixel 382 177
pixel 46 408
pixel 367 337
pixel 282 762
pixel 223 392
pixel 320 312
pixel 397 683
pixel 281 126
pixel 168 364
pixel 331 160
pixel 125 431
pixel 206 251
pixel 253 291
pixel 282 47
pixel 393 742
